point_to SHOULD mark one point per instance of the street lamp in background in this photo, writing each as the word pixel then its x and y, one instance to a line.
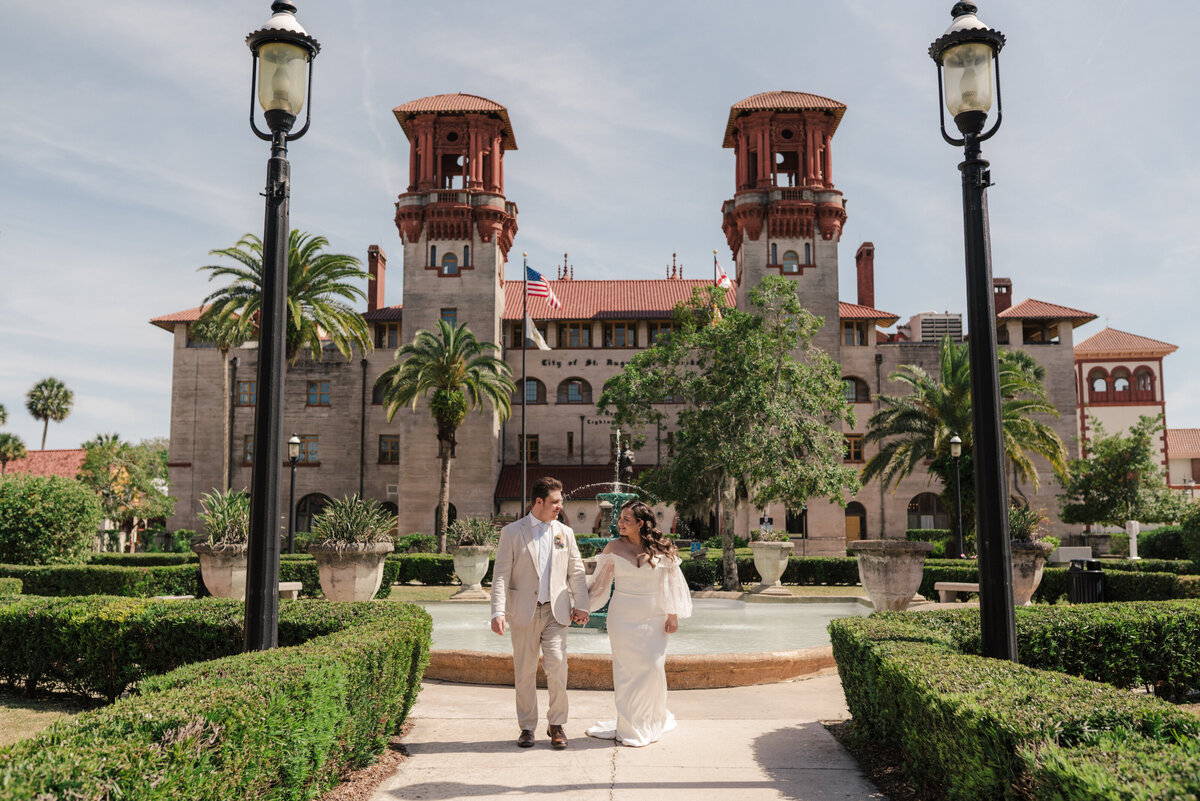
pixel 956 455
pixel 967 58
pixel 293 457
pixel 1190 483
pixel 283 55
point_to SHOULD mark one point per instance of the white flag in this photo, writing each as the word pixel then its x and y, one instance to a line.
pixel 533 335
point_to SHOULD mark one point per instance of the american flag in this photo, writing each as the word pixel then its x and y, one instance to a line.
pixel 539 287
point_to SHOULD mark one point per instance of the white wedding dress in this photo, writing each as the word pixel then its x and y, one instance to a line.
pixel 637 616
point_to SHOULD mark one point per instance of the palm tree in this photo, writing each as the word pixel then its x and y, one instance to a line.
pixel 455 368
pixel 917 427
pixel 3 414
pixel 11 448
pixel 49 400
pixel 225 334
pixel 317 293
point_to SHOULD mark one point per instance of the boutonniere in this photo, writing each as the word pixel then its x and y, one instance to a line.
pixel 559 541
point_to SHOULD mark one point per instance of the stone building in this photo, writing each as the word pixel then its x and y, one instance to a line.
pixel 457 228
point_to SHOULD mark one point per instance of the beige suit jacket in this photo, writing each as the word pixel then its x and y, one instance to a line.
pixel 515 579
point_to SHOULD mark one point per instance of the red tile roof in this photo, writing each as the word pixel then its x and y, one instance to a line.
pixel 1111 342
pixel 385 314
pixel 782 101
pixel 580 482
pixel 455 103
pixel 1183 442
pixel 167 321
pixel 607 300
pixel 852 311
pixel 64 463
pixel 1031 309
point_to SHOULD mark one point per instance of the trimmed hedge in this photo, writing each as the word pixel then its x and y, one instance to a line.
pixel 1180 567
pixel 279 724
pixel 973 728
pixel 61 580
pixel 143 559
pixel 10 586
pixel 701 573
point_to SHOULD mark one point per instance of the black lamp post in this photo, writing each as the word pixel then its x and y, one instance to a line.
pixel 956 455
pixel 283 84
pixel 293 457
pixel 965 55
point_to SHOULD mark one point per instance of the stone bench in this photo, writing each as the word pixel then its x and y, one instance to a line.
pixel 290 590
pixel 948 590
pixel 1064 554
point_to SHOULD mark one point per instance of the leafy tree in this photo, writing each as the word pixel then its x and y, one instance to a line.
pixel 454 369
pixel 11 449
pixel 1121 479
pixel 225 334
pixel 49 400
pixel 318 292
pixel 129 480
pixel 917 427
pixel 46 520
pixel 755 423
pixel 3 414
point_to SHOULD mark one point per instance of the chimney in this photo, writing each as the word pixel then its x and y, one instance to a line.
pixel 864 260
pixel 376 266
pixel 1002 291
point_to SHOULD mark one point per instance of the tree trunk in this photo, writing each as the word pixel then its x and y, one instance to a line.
pixel 45 428
pixel 444 496
pixel 729 581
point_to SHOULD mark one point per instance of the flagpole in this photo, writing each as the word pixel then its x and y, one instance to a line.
pixel 524 391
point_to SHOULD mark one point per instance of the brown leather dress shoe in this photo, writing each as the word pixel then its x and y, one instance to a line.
pixel 558 737
pixel 526 738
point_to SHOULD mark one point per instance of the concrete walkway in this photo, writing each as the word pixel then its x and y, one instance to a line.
pixel 742 743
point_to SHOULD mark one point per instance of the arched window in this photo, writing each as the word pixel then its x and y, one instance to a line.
pixel 856 390
pixel 531 390
pixel 466 255
pixel 807 253
pixel 796 522
pixel 433 254
pixel 309 507
pixel 449 264
pixel 1120 384
pixel 926 511
pixel 856 521
pixel 1098 385
pixel 1143 384
pixel 451 516
pixel 791 262
pixel 574 390
pixel 774 253
pixel 393 510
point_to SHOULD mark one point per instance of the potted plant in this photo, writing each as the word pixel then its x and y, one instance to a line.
pixel 472 542
pixel 350 539
pixel 771 552
pixel 890 570
pixel 223 543
pixel 1028 551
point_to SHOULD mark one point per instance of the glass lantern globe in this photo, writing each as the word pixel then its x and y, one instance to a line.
pixel 282 77
pixel 968 78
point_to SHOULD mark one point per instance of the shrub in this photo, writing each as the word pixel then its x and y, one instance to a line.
pixel 279 724
pixel 45 521
pixel 714 543
pixel 427 568
pixel 352 521
pixel 416 542
pixel 136 582
pixel 1164 542
pixel 473 531
pixel 142 559
pixel 226 518
pixel 821 570
pixel 10 586
pixel 1179 567
pixel 701 574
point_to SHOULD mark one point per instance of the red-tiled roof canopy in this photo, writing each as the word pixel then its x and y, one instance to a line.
pixel 607 300
pixel 1183 442
pixel 455 103
pixel 852 311
pixel 63 463
pixel 1120 344
pixel 167 321
pixel 580 482
pixel 386 314
pixel 782 101
pixel 1031 309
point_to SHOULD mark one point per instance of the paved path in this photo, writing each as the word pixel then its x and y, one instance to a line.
pixel 742 744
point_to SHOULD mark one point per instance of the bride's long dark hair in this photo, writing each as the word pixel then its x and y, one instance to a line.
pixel 654 542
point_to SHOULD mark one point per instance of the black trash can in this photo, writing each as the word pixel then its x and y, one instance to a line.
pixel 1085 581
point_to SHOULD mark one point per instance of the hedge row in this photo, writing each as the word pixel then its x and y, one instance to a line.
pixel 143 559
pixel 1182 567
pixel 10 586
pixel 279 724
pixel 143 582
pixel 972 728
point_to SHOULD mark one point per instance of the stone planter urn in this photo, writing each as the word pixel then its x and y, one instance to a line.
pixel 223 569
pixel 770 560
pixel 1028 559
pixel 471 565
pixel 351 572
pixel 890 570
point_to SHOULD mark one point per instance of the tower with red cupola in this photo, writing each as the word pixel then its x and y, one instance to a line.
pixel 457 228
pixel 786 217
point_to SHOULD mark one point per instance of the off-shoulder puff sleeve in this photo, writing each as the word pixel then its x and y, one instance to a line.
pixel 600 582
pixel 675 595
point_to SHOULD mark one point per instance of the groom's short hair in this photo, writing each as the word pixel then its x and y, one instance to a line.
pixel 543 487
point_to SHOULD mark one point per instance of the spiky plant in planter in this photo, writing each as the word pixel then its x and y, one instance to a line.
pixel 1028 550
pixel 352 521
pixel 469 531
pixel 472 541
pixel 350 539
pixel 223 543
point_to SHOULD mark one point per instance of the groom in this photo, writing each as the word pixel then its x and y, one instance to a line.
pixel 539 587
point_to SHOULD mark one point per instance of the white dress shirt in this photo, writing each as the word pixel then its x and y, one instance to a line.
pixel 543 543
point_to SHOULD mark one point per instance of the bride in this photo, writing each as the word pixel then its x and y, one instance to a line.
pixel 650 597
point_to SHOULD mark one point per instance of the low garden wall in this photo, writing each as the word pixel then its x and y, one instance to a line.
pixel 205 721
pixel 1062 724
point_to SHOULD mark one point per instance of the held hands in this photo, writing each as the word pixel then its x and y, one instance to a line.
pixel 672 624
pixel 580 616
pixel 498 624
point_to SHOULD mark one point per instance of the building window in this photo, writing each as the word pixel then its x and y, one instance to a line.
pixel 433 255
pixel 774 253
pixel 318 393
pixel 531 449
pixel 927 511
pixel 791 262
pixel 308 449
pixel 575 335
pixel 670 444
pixel 1120 384
pixel 807 253
pixel 659 329
pixel 854 447
pixel 387 335
pixel 247 393
pixel 620 335
pixel 517 330
pixel 533 391
pixel 248 449
pixel 574 390
pixel 1098 385
pixel 466 255
pixel 856 390
pixel 1143 385
pixel 570 443
pixel 854 333
pixel 377 395
pixel 449 264
pixel 450 317
pixel 389 449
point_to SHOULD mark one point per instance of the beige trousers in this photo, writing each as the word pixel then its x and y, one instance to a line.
pixel 546 634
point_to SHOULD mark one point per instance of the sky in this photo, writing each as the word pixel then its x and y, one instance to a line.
pixel 126 157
